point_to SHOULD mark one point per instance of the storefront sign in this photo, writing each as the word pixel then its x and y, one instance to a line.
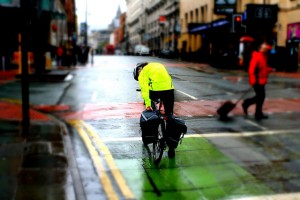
pixel 219 23
pixel 162 19
pixel 225 6
pixel 293 30
pixel 257 13
pixel 198 27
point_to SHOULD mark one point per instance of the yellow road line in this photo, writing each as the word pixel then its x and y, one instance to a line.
pixel 127 193
pixel 15 101
pixel 104 178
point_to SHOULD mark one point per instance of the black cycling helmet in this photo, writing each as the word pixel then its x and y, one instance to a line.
pixel 136 69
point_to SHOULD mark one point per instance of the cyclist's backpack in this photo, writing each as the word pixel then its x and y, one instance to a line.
pixel 175 131
pixel 149 123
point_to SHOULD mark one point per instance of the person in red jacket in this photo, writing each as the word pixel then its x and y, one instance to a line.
pixel 258 76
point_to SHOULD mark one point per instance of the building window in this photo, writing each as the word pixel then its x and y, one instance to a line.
pixel 202 14
pixel 191 17
pixel 205 13
pixel 186 19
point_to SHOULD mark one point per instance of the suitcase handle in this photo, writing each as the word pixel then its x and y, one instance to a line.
pixel 243 95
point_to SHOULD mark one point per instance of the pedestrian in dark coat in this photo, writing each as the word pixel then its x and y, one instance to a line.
pixel 258 76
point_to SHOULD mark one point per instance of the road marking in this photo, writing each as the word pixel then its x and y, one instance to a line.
pixel 125 190
pixel 104 179
pixel 255 124
pixel 69 77
pixel 216 134
pixel 129 139
pixel 94 96
pixel 244 134
pixel 192 97
pixel 286 196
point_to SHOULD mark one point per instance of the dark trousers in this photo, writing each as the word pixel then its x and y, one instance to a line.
pixel 167 97
pixel 258 99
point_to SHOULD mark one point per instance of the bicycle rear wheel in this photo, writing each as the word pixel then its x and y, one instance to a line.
pixel 159 144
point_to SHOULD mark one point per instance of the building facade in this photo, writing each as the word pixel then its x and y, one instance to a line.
pixel 162 25
pixel 123 37
pixel 206 31
pixel 134 22
pixel 51 23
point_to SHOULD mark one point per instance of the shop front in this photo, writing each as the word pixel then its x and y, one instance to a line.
pixel 293 46
pixel 219 46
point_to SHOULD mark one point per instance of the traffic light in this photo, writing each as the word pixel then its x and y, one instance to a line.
pixel 237 23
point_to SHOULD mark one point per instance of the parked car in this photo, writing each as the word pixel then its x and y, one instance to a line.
pixel 166 53
pixel 118 52
pixel 141 50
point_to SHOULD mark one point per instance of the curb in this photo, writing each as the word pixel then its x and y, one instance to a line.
pixel 44 162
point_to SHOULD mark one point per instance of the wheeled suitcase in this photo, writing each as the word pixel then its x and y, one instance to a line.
pixel 225 109
pixel 228 106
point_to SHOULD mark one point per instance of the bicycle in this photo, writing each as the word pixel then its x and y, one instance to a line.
pixel 159 144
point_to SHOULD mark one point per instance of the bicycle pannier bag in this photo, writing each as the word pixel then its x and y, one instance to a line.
pixel 149 123
pixel 175 131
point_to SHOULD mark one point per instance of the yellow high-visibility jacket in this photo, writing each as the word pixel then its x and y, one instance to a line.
pixel 154 77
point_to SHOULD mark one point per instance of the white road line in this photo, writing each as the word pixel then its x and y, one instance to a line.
pixel 192 97
pixel 69 77
pixel 122 139
pixel 94 96
pixel 245 134
pixel 294 196
pixel 255 124
pixel 216 134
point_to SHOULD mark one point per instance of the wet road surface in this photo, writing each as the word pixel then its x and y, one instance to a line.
pixel 217 160
pixel 235 159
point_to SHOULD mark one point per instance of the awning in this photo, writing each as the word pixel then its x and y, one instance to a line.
pixel 200 27
pixel 220 23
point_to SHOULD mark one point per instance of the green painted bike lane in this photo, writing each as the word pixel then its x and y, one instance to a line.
pixel 199 171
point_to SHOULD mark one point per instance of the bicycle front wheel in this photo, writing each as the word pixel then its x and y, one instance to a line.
pixel 159 144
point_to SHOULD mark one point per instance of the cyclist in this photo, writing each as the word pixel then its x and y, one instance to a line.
pixel 156 83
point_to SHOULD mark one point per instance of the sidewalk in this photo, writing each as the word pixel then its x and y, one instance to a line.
pixel 37 167
pixel 209 69
pixel 50 75
pixel 7 75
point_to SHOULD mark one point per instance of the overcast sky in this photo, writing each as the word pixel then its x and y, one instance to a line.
pixel 100 12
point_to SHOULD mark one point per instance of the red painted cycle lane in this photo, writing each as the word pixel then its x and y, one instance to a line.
pixel 200 108
pixel 11 111
pixel 187 108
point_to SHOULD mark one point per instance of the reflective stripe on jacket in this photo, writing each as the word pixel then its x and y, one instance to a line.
pixel 154 77
pixel 258 69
